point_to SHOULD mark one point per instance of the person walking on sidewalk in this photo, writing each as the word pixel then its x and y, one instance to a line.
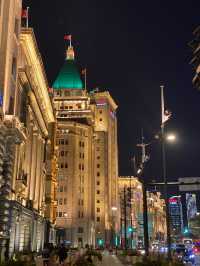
pixel 62 254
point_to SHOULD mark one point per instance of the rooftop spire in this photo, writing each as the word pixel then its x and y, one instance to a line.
pixel 70 53
pixel 70 50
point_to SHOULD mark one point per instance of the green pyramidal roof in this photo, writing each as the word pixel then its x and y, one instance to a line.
pixel 69 76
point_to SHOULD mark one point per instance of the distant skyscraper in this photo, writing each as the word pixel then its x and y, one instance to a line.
pixel 176 215
pixel 87 141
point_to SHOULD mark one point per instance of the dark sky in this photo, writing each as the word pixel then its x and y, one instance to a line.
pixel 130 48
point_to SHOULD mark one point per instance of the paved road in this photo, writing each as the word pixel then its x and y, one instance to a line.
pixel 110 260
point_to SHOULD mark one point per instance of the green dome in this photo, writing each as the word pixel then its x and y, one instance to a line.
pixel 68 77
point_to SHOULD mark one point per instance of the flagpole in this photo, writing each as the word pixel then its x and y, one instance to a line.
pixel 162 105
pixel 85 78
pixel 27 24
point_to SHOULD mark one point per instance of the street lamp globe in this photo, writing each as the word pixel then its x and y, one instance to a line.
pixel 171 137
pixel 114 208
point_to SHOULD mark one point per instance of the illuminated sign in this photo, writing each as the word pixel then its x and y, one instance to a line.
pixel 101 102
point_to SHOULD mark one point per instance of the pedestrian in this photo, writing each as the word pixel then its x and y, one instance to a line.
pixel 62 254
pixel 46 255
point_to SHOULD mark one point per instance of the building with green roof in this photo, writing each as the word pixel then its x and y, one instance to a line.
pixel 69 76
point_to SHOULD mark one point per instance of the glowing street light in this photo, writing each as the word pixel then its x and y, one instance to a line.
pixel 114 208
pixel 171 137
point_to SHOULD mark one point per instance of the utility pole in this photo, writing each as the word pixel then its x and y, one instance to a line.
pixel 125 220
pixel 144 192
pixel 166 194
pixel 165 116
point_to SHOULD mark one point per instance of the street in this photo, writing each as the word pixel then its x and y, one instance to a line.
pixel 109 260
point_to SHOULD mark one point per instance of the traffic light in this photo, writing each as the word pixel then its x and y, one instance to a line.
pixel 130 229
pixel 100 242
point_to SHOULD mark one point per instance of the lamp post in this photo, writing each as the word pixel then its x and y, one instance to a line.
pixel 170 138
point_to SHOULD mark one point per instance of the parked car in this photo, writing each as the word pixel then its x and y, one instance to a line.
pixel 196 248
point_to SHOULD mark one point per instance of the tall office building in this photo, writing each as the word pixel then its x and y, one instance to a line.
pixel 176 215
pixel 88 164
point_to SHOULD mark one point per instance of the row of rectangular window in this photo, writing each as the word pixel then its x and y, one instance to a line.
pixel 63 153
pixel 61 214
pixel 62 141
pixel 62 165
pixel 62 201
pixel 80 214
pixel 62 189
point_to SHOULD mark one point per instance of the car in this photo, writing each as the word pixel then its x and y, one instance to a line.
pixel 180 249
pixel 196 248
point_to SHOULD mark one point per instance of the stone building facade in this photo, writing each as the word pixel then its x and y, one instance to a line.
pixel 88 162
pixel 27 138
pixel 130 195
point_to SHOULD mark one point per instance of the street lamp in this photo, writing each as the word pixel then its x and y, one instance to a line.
pixel 170 137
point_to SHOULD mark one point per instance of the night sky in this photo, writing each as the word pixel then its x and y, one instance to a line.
pixel 130 48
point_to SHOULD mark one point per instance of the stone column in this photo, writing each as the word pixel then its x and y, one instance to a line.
pixel 38 173
pixel 33 165
pixel 41 188
pixel 29 145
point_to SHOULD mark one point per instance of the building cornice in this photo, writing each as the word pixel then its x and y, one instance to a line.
pixel 34 60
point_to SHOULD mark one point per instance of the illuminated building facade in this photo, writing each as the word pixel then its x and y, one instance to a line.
pixel 88 159
pixel 156 216
pixel 130 194
pixel 176 215
pixel 131 210
pixel 195 45
pixel 27 139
